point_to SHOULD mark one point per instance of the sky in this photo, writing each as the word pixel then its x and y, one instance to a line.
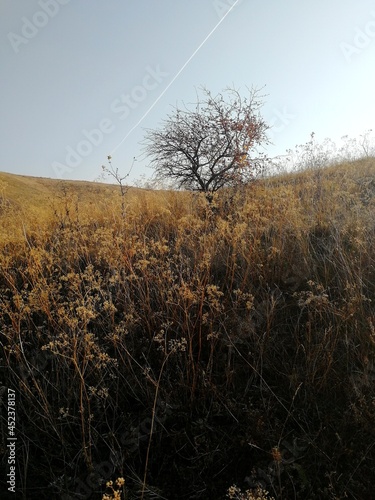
pixel 84 79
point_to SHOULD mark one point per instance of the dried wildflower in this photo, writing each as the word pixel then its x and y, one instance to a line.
pixel 276 454
pixel 64 412
pixel 115 493
pixel 235 493
pixel 177 345
pixel 120 482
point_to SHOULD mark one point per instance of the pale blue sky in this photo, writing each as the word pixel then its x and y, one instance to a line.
pixel 72 67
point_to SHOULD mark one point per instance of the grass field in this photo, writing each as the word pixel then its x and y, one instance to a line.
pixel 197 353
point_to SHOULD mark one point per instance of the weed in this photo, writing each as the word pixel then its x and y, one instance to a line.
pixel 188 349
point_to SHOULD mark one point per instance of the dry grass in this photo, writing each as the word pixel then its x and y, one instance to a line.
pixel 188 350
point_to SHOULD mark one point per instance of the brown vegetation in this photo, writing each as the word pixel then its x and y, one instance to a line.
pixel 197 352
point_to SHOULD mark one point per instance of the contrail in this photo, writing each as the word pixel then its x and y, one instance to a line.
pixel 175 77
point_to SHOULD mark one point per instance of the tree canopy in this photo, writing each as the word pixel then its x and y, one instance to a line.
pixel 212 145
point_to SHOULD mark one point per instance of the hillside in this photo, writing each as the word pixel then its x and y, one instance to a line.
pixel 27 192
pixel 196 352
pixel 35 201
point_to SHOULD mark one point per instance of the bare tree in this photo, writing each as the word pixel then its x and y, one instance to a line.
pixel 114 172
pixel 211 146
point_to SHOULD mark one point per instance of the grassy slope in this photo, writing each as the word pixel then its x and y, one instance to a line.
pixel 36 201
pixel 35 192
pixel 250 332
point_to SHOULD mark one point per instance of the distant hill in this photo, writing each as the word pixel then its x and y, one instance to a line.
pixel 35 190
pixel 29 190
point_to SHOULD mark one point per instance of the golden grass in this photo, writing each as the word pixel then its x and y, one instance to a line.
pixel 188 348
